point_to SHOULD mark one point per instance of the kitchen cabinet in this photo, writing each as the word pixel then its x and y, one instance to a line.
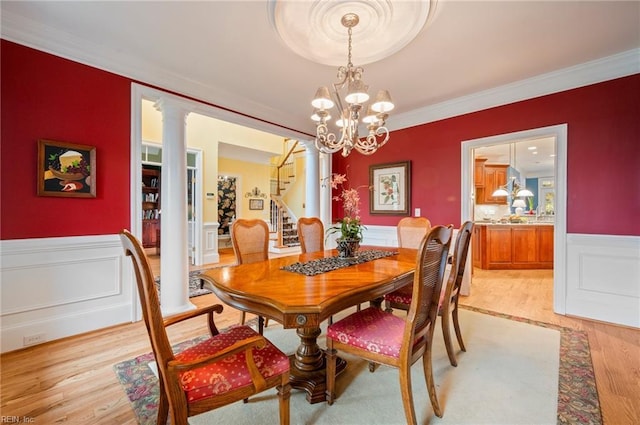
pixel 478 172
pixel 513 246
pixel 494 176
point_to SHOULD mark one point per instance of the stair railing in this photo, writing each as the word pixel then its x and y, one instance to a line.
pixel 285 168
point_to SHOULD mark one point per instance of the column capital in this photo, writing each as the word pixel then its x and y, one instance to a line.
pixel 172 104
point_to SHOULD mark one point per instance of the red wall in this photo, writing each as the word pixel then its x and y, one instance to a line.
pixel 603 156
pixel 47 97
pixel 44 96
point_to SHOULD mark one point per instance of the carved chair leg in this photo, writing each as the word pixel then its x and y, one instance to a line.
pixel 407 395
pixel 456 326
pixel 331 355
pixel 446 333
pixel 284 393
pixel 428 377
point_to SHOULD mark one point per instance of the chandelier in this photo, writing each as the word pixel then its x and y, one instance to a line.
pixel 350 79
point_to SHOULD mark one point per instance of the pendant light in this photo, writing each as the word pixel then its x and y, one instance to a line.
pixel 516 190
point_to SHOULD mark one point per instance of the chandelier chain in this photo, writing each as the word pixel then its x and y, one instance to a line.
pixel 349 64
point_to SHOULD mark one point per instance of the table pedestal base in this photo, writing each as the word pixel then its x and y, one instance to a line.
pixel 313 382
pixel 308 366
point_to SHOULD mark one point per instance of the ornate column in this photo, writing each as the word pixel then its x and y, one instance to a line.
pixel 174 258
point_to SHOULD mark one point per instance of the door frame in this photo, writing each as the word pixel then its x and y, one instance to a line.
pixel 559 132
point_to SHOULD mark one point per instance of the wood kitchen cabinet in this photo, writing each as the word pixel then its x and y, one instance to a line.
pixel 513 246
pixel 478 172
pixel 493 176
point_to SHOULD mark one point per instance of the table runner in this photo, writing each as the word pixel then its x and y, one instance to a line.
pixel 323 265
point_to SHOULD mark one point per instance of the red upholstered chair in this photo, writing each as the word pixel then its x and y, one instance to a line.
pixel 410 230
pixel 250 240
pixel 448 305
pixel 378 336
pixel 225 368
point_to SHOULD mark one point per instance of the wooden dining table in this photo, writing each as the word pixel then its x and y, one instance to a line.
pixel 303 302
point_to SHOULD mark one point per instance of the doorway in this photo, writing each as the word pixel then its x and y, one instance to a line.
pixel 559 133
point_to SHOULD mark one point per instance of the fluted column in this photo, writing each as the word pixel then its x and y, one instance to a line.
pixel 174 258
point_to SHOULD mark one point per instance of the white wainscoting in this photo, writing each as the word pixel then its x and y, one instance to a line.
pixel 603 278
pixel 210 243
pixel 57 287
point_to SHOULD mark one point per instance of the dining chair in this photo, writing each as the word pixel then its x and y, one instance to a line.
pixel 378 336
pixel 410 230
pixel 310 234
pixel 448 305
pixel 401 299
pixel 250 240
pixel 228 366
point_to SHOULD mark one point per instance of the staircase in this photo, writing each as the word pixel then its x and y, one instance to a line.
pixel 283 223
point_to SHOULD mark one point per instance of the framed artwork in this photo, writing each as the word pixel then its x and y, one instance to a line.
pixel 66 169
pixel 391 188
pixel 256 204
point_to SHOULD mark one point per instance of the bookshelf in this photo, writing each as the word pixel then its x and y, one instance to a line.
pixel 150 206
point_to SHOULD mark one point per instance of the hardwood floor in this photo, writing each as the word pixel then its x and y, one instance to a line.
pixel 72 380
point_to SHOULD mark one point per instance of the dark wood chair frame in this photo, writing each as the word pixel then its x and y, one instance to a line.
pixel 173 400
pixel 420 322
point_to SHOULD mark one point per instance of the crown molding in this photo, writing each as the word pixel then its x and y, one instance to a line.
pixel 603 69
pixel 37 36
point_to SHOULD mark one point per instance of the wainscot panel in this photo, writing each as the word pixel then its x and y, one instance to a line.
pixel 603 278
pixel 57 287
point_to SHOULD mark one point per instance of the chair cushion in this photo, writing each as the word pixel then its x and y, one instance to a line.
pixel 370 329
pixel 400 296
pixel 231 373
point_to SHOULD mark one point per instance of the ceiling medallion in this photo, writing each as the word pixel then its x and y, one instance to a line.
pixel 313 29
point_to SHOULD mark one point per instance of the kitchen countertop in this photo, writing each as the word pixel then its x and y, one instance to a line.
pixel 529 223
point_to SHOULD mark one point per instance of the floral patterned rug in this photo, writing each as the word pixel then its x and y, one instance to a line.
pixel 195 289
pixel 577 394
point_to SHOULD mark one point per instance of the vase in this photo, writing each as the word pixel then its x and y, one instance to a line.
pixel 348 248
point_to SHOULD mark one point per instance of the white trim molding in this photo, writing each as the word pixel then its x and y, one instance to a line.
pixel 57 287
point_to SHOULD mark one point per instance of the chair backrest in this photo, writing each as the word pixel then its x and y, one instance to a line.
pixel 460 254
pixel 310 234
pixel 148 299
pixel 250 240
pixel 411 230
pixel 427 284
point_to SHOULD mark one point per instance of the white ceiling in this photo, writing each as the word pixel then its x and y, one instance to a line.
pixel 473 54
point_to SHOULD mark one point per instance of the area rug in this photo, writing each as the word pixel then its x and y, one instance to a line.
pixel 195 283
pixel 515 371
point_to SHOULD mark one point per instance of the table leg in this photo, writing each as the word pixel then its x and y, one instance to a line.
pixel 308 366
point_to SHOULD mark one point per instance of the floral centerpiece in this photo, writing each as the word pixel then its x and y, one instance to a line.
pixel 349 227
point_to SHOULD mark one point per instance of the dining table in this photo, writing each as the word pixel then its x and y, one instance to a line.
pixel 301 291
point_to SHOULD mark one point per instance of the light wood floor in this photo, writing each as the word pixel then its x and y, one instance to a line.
pixel 72 380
